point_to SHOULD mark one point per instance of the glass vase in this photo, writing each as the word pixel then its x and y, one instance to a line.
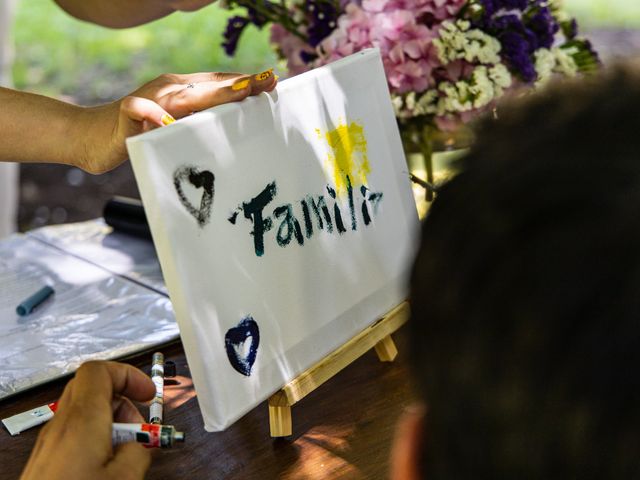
pixel 431 156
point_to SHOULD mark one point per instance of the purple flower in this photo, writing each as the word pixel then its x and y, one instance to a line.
pixel 254 15
pixel 570 29
pixel 491 7
pixel 517 53
pixel 518 43
pixel 522 27
pixel 544 26
pixel 308 57
pixel 323 18
pixel 512 4
pixel 232 33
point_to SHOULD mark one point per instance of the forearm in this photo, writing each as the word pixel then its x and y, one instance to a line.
pixel 116 13
pixel 34 128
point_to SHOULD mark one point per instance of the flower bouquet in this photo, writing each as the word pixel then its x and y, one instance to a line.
pixel 446 61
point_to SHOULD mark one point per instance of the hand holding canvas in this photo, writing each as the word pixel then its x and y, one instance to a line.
pixel 156 104
pixel 34 128
pixel 76 443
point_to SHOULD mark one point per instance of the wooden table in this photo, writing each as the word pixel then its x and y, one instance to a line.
pixel 342 430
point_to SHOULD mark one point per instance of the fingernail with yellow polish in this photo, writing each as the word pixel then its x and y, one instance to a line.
pixel 240 85
pixel 264 75
pixel 167 119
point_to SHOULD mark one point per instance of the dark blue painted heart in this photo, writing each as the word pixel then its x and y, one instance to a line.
pixel 241 358
pixel 199 179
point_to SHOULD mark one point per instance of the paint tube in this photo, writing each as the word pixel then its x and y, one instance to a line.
pixel 149 435
pixel 157 376
pixel 29 419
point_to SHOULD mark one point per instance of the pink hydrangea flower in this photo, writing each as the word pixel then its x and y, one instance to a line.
pixel 438 9
pixel 405 45
pixel 403 30
pixel 291 47
pixel 351 34
pixel 406 48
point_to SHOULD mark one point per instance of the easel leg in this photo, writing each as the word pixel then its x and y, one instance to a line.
pixel 377 335
pixel 386 349
pixel 279 416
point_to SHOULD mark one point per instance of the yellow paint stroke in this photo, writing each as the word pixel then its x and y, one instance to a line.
pixel 348 155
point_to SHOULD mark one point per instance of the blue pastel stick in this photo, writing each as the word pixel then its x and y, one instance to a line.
pixel 27 306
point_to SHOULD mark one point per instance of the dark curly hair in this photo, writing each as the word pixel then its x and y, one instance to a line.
pixel 525 294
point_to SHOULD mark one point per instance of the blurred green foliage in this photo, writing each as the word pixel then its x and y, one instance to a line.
pixel 59 55
pixel 605 13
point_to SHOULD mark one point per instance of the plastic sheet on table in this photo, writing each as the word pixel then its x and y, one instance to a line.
pixel 93 314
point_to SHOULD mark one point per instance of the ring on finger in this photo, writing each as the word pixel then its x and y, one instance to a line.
pixel 191 85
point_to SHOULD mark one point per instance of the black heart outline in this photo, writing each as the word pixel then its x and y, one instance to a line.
pixel 199 179
pixel 237 336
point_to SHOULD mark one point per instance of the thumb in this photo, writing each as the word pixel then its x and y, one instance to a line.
pixel 142 109
pixel 130 460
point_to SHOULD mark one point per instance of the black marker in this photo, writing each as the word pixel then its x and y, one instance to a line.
pixel 27 306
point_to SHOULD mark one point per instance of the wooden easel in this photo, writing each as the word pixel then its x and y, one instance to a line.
pixel 376 336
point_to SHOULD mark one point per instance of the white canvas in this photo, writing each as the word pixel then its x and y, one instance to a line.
pixel 254 316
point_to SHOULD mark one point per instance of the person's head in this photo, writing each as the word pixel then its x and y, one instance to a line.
pixel 525 328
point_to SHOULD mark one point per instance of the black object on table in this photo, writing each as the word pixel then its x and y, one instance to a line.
pixel 127 215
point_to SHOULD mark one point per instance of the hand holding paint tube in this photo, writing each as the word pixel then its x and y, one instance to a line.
pixel 150 435
pixel 101 393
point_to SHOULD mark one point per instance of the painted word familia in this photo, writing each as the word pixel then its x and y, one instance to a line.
pixel 314 213
pixel 347 156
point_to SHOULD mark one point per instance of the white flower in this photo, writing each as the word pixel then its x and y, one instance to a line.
pixel 556 60
pixel 482 87
pixel 410 101
pixel 463 101
pixel 559 13
pixel 545 63
pixel 428 103
pixel 565 64
pixel 485 47
pixel 396 101
pixel 454 98
pixel 501 77
pixel 457 41
pixel 450 41
pixel 487 83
